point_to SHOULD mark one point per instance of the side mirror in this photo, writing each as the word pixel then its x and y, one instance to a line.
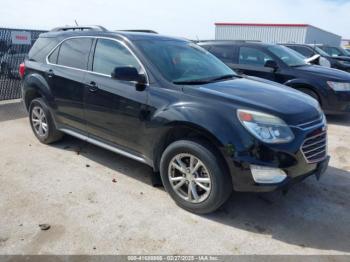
pixel 128 73
pixel 315 59
pixel 271 64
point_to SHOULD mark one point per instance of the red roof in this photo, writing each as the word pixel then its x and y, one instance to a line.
pixel 262 24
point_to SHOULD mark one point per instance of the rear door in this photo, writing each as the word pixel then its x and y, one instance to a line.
pixel 65 73
pixel 114 109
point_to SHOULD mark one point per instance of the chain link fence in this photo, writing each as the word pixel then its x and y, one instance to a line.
pixel 14 46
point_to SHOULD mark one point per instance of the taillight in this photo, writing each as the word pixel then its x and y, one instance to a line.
pixel 21 70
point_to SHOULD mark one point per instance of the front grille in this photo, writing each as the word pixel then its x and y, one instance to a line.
pixel 315 146
pixel 313 123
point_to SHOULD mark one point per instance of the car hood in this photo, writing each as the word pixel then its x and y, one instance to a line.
pixel 325 73
pixel 292 106
pixel 342 58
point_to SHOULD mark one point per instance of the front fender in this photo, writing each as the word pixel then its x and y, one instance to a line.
pixel 298 82
pixel 219 125
pixel 316 87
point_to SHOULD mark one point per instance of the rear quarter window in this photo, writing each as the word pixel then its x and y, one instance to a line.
pixel 54 56
pixel 41 49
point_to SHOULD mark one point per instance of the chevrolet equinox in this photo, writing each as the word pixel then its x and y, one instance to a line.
pixel 172 105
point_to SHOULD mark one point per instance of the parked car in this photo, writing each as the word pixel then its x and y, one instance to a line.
pixel 330 87
pixel 10 62
pixel 334 51
pixel 170 104
pixel 337 62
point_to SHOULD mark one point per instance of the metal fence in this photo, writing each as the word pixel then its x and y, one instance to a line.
pixel 14 46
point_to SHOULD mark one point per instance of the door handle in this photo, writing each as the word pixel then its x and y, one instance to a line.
pixel 92 86
pixel 50 73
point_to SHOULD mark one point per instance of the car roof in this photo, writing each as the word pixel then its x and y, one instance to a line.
pixel 294 44
pixel 131 35
pixel 234 42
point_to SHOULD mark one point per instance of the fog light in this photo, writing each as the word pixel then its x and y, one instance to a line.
pixel 267 175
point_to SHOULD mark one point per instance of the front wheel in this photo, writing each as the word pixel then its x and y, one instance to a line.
pixel 194 176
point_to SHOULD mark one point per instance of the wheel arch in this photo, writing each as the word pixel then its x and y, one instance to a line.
pixel 183 131
pixel 304 85
pixel 35 86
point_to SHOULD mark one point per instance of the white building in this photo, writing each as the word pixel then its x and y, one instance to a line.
pixel 276 33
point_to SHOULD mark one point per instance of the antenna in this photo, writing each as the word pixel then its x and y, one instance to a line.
pixel 76 22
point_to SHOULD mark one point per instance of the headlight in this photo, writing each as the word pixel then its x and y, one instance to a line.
pixel 267 128
pixel 339 86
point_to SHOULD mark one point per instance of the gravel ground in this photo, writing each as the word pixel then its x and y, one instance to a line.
pixel 97 202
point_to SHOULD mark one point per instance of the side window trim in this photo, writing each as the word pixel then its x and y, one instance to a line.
pixel 92 54
pixel 53 51
pixel 92 51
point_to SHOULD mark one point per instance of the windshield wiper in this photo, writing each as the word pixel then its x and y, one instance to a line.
pixel 206 80
pixel 224 77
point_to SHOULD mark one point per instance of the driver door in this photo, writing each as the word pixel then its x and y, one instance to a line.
pixel 114 109
pixel 251 62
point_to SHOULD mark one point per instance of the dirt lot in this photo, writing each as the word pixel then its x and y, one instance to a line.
pixel 70 186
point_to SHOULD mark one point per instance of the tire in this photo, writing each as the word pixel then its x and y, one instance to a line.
pixel 217 191
pixel 42 122
pixel 310 93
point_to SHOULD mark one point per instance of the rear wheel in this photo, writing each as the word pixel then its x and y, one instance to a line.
pixel 194 177
pixel 42 123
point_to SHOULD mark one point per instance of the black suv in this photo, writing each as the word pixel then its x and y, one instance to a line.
pixel 170 104
pixel 334 51
pixel 337 62
pixel 278 63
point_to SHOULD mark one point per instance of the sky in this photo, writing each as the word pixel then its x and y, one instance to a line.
pixel 185 18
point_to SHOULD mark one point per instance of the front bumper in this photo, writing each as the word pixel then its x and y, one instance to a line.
pixel 245 182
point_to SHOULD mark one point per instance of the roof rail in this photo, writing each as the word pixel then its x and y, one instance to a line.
pixel 228 41
pixel 80 28
pixel 140 31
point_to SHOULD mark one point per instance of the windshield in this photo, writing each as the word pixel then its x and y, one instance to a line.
pixel 335 51
pixel 183 62
pixel 320 51
pixel 287 55
pixel 344 51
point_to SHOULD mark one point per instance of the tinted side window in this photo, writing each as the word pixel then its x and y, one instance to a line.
pixel 332 51
pixel 302 50
pixel 110 54
pixel 54 55
pixel 75 53
pixel 223 52
pixel 41 48
pixel 253 56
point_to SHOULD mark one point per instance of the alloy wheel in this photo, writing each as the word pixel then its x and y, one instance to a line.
pixel 189 178
pixel 39 121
